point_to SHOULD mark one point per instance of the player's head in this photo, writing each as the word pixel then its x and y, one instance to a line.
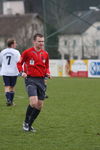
pixel 11 43
pixel 38 41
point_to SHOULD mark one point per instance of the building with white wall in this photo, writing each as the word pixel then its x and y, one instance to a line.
pixel 81 38
pixel 13 7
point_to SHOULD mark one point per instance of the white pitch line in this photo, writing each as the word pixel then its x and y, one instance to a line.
pixel 17 96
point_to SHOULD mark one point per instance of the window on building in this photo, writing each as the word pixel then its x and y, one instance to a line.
pixel 97 42
pixel 65 42
pixel 98 27
pixel 74 43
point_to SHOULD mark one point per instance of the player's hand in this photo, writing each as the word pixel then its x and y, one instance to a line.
pixel 49 76
pixel 24 75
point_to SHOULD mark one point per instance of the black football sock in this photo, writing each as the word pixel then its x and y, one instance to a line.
pixel 8 97
pixel 28 113
pixel 34 115
pixel 12 96
pixel 45 87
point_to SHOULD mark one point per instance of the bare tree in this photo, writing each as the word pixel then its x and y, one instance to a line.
pixel 56 12
pixel 24 37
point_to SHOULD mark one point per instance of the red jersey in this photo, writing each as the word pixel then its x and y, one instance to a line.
pixel 36 62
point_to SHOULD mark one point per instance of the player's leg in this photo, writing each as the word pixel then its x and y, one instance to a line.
pixel 45 80
pixel 12 93
pixel 33 99
pixel 37 106
pixel 13 81
pixel 36 111
pixel 32 103
pixel 31 109
pixel 6 80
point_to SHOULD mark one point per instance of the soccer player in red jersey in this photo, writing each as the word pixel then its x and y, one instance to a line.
pixel 36 61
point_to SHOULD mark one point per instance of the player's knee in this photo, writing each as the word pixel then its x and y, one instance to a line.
pixel 33 104
pixel 40 104
pixel 33 101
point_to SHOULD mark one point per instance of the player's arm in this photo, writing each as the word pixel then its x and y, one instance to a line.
pixel 20 65
pixel 18 57
pixel 0 59
pixel 47 67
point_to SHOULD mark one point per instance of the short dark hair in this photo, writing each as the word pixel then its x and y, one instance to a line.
pixel 37 35
pixel 10 42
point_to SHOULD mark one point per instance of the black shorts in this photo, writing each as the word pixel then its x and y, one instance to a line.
pixel 10 80
pixel 35 87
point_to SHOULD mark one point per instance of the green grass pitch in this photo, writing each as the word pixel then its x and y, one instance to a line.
pixel 70 119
